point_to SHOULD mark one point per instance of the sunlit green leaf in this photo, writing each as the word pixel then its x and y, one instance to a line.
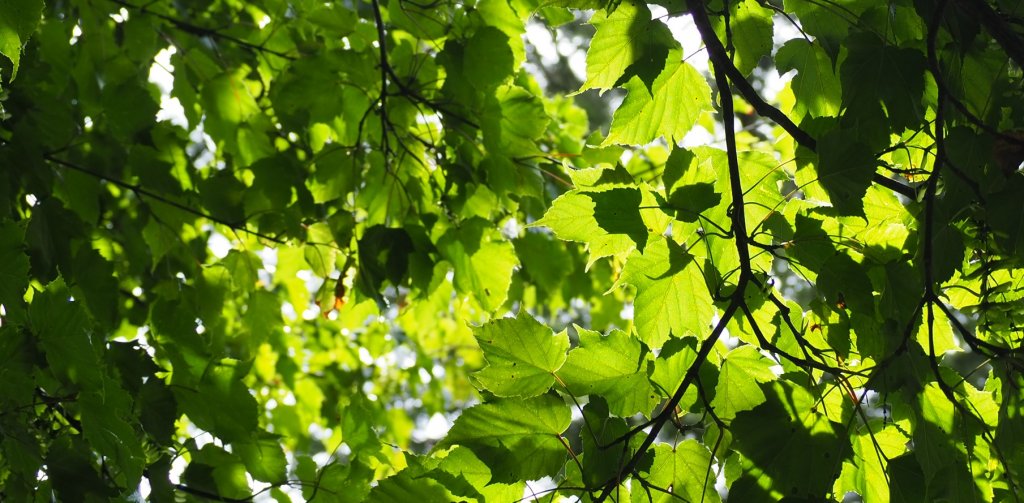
pixel 667 305
pixel 668 109
pixel 743 369
pixel 522 356
pixel 610 366
pixel 18 19
pixel 815 85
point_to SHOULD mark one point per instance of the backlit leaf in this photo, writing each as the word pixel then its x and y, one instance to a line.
pixel 522 356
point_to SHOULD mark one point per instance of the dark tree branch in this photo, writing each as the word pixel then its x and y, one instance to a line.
pixel 736 301
pixel 140 191
pixel 720 58
pixel 659 421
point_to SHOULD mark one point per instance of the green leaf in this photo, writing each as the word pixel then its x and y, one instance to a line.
pixel 221 389
pixel 95 277
pixel 522 356
pixel 845 284
pixel 789 446
pixel 462 463
pixel 687 469
pixel 513 120
pixel 610 366
pixel 668 109
pixel 816 87
pixel 263 457
pixel 601 458
pixel 738 389
pixel 488 58
pixel 873 451
pixel 750 33
pixel 1006 215
pixel 671 298
pixel 18 19
pixel 518 439
pixel 616 44
pixel 608 222
pixel 544 259
pixel 875 71
pixel 106 416
pixel 64 332
pixel 674 360
pixel 845 170
pixel 216 471
pixel 482 259
pixel 228 102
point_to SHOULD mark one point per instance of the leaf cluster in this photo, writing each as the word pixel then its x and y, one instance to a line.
pixel 354 251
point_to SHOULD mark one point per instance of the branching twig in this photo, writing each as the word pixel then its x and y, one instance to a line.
pixel 201 31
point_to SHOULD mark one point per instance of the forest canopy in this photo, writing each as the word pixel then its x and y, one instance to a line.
pixel 397 250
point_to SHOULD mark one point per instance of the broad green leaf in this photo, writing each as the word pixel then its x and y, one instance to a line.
pixel 216 471
pixel 674 360
pixel 1006 214
pixel 874 71
pixel 405 486
pixel 517 439
pixel 482 259
pixel 749 33
pixel 513 120
pixel 671 295
pixel 687 469
pixel 788 445
pixel 610 366
pixel 616 44
pixel 601 458
pixel 940 337
pixel 348 482
pixel 906 480
pixel 822 22
pixel 18 19
pixel 522 356
pixel 817 89
pixel 501 15
pixel 106 423
pixel 228 103
pixel 95 277
pixel 608 222
pixel 263 457
pixel 221 389
pixel 64 332
pixel 668 109
pixel 845 168
pixel 462 463
pixel 866 471
pixel 488 58
pixel 544 259
pixel 738 389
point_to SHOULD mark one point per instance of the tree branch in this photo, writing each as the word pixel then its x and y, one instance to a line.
pixel 138 189
pixel 997 27
pixel 720 58
pixel 659 422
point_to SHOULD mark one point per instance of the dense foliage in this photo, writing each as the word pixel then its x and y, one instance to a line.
pixel 332 227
